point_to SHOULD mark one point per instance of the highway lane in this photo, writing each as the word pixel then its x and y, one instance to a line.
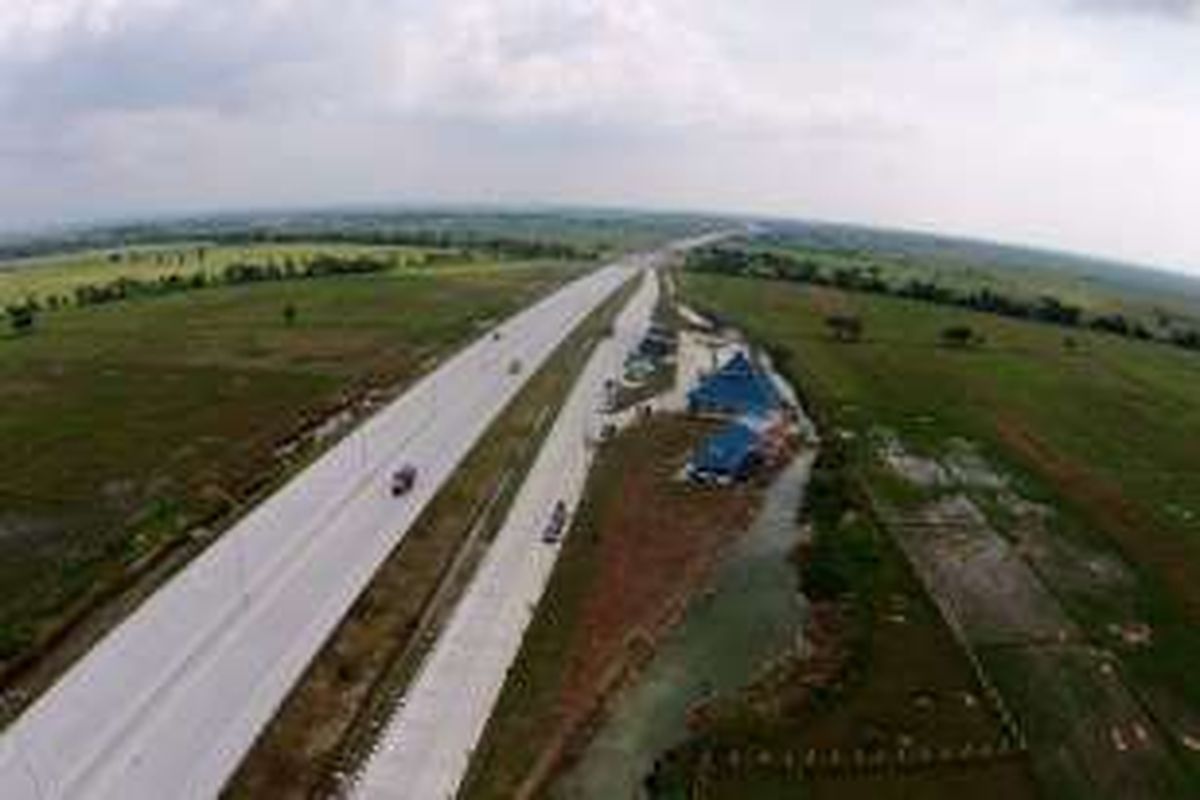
pixel 169 702
pixel 425 750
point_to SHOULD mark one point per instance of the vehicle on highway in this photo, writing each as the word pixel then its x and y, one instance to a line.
pixel 514 366
pixel 557 524
pixel 403 480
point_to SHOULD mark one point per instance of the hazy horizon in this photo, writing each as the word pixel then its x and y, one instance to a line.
pixel 1064 125
pixel 167 216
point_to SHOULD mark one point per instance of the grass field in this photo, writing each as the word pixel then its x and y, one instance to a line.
pixel 1103 431
pixel 43 276
pixel 128 424
pixel 1093 286
pixel 960 275
pixel 1108 420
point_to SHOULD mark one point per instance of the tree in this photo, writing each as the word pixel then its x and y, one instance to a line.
pixel 21 318
pixel 289 314
pixel 845 327
pixel 960 336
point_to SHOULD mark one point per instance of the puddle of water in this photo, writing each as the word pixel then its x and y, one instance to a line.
pixel 753 613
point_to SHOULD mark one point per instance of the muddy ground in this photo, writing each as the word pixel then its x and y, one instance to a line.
pixel 643 543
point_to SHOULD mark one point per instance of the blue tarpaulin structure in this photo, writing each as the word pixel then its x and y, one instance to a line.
pixel 729 454
pixel 738 387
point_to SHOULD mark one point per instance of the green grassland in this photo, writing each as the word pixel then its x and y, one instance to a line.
pixel 1097 284
pixel 1102 429
pixel 60 274
pixel 127 424
pixel 1094 293
pixel 1116 417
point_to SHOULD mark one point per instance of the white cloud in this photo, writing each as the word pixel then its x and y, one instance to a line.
pixel 1067 122
pixel 622 60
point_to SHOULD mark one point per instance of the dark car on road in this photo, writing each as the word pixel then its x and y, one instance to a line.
pixel 403 480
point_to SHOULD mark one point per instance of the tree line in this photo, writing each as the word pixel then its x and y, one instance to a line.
pixel 1045 308
pixel 487 246
pixel 471 243
pixel 22 316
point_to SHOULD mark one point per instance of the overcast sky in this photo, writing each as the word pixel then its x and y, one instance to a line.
pixel 1073 123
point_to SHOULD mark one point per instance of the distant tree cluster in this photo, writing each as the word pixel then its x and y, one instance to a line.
pixel 137 242
pixel 961 336
pixel 741 261
pixel 22 316
pixel 234 274
pixel 469 245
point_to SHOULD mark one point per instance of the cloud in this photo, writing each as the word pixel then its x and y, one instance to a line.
pixel 71 57
pixel 579 60
pixel 1166 9
pixel 1067 122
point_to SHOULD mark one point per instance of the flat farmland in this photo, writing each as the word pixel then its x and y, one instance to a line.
pixel 45 275
pixel 1109 424
pixel 1087 464
pixel 138 427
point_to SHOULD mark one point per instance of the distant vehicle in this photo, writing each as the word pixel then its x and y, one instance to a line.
pixel 558 522
pixel 403 480
pixel 496 336
pixel 514 366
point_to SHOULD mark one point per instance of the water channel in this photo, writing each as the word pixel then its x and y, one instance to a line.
pixel 752 613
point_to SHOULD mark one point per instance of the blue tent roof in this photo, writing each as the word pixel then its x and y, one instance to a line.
pixel 729 451
pixel 738 387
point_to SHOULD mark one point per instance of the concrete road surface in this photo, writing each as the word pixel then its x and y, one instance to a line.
pixel 168 703
pixel 425 750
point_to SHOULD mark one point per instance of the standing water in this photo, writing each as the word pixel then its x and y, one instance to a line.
pixel 753 613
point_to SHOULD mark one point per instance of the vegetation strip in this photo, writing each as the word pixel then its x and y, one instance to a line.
pixel 23 315
pixel 769 263
pixel 329 722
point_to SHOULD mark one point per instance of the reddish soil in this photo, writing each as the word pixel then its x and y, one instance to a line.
pixel 657 539
pixel 826 301
pixel 1105 505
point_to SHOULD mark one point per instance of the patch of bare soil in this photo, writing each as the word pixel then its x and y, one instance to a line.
pixel 828 301
pixel 658 538
pixel 979 579
pixel 927 473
